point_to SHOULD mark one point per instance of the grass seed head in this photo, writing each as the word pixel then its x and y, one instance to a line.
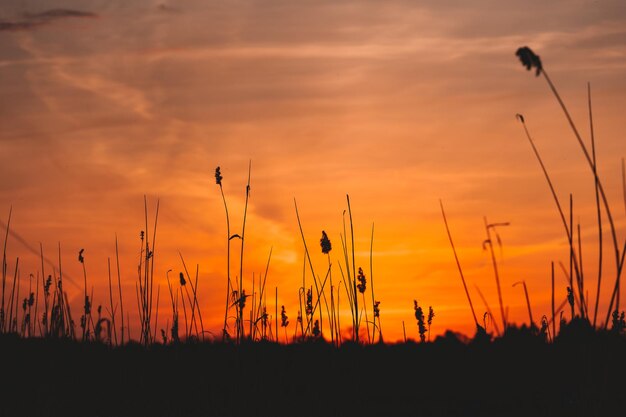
pixel 419 315
pixel 309 302
pixel 218 176
pixel 361 286
pixel 182 280
pixel 431 315
pixel 316 329
pixel 376 309
pixel 284 320
pixel 529 59
pixel 46 287
pixel 325 243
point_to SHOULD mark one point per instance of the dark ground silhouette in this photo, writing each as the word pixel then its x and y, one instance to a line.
pixel 580 374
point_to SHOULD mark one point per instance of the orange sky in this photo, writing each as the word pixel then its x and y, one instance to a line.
pixel 396 104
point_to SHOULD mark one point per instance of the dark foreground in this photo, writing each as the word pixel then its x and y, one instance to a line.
pixel 581 374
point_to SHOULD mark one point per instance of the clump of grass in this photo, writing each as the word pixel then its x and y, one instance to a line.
pixel 421 321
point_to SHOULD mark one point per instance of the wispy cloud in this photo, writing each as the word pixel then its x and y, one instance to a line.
pixel 34 20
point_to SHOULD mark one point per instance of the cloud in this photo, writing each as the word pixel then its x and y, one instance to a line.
pixel 34 20
pixel 168 9
pixel 16 26
pixel 59 13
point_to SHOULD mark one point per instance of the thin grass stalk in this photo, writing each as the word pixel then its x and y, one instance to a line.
pixel 598 207
pixel 349 294
pixel 93 327
pixel 36 322
pixel 4 272
pixel 146 281
pixel 195 300
pixel 333 317
pixel 458 264
pixel 567 228
pixel 65 312
pixel 581 283
pixel 553 313
pixel 308 258
pixel 243 232
pixel 262 291
pixel 347 278
pixel 355 298
pixel 331 312
pixel 139 287
pixel 86 306
pixel 17 301
pixel 571 240
pixel 174 335
pixel 228 238
pixel 139 310
pixel 624 183
pixel 276 318
pixel 145 327
pixel 128 325
pixel 192 321
pixel 187 329
pixel 152 253
pixel 119 286
pixel 618 256
pixel 404 331
pixel 338 310
pixel 317 302
pixel 495 324
pixel 300 297
pixel 567 281
pixel 367 323
pixel 530 313
pixel 111 302
pixel 28 319
pixel 17 262
pixel 591 165
pixel 372 281
pixel 68 312
pixel 156 319
pixel 45 295
pixel 252 318
pixel 46 323
pixel 495 271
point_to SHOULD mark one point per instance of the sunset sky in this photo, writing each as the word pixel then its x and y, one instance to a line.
pixel 397 104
